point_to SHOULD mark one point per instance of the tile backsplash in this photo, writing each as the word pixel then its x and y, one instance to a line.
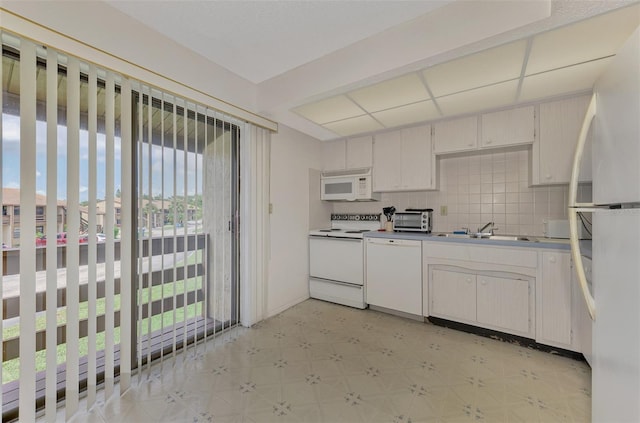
pixel 487 187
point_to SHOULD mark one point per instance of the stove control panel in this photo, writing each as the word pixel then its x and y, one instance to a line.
pixel 357 217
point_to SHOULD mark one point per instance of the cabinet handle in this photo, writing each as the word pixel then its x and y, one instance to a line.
pixel 552 259
pixel 483 282
pixel 468 280
pixel 470 144
pixel 489 141
pixel 548 176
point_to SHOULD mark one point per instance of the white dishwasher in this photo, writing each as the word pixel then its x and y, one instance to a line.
pixel 394 274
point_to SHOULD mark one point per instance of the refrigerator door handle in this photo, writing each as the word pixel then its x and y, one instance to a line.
pixel 575 208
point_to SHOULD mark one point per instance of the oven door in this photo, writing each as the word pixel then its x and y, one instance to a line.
pixel 337 259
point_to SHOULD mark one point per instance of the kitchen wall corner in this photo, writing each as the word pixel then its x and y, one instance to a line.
pixel 319 211
pixel 293 154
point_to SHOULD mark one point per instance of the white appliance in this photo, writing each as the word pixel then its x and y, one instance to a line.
pixel 394 274
pixel 614 303
pixel 336 259
pixel 413 220
pixel 559 228
pixel 347 185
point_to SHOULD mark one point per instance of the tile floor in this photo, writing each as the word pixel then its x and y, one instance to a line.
pixel 321 362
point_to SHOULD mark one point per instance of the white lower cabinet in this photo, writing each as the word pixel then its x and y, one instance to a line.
pixel 453 295
pixel 504 304
pixel 498 303
pixel 555 300
pixel 529 292
pixel 394 274
pixel 584 324
pixel 563 319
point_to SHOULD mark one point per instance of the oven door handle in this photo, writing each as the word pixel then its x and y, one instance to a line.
pixel 335 237
pixel 353 285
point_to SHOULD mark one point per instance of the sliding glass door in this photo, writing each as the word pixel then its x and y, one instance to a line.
pixel 119 227
pixel 187 161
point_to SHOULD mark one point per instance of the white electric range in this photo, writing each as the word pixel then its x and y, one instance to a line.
pixel 336 259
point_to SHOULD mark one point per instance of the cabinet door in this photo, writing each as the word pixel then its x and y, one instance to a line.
pixel 333 155
pixel 504 304
pixel 394 274
pixel 554 300
pixel 417 161
pixel 560 123
pixel 582 336
pixel 456 135
pixel 386 161
pixel 453 295
pixel 359 152
pixel 508 127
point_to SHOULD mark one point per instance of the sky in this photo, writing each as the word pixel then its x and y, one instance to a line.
pixel 161 161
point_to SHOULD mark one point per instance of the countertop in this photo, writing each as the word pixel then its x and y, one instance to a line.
pixel 541 242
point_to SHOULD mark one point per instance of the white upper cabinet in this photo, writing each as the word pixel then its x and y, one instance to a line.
pixel 417 159
pixel 404 160
pixel 359 152
pixel 386 161
pixel 508 127
pixel 552 156
pixel 455 135
pixel 334 155
pixel 353 153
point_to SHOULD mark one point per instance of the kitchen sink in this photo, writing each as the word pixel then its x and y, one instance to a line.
pixel 457 235
pixel 511 238
pixel 490 237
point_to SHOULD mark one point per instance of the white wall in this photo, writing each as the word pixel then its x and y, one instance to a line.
pixel 489 187
pixel 292 155
pixel 103 27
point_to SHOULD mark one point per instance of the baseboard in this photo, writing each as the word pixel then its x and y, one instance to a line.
pixel 505 337
pixel 271 313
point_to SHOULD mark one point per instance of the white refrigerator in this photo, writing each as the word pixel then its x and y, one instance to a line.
pixel 614 302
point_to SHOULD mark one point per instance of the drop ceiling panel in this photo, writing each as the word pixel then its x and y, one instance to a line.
pixel 404 115
pixel 479 99
pixel 587 40
pixel 392 93
pixel 329 110
pixel 487 67
pixel 562 81
pixel 356 125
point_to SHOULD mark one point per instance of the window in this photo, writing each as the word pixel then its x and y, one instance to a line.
pixel 39 211
pixel 16 210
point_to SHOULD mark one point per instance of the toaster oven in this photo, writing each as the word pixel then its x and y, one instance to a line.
pixel 413 220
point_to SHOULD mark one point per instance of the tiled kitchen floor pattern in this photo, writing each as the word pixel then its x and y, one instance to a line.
pixel 320 362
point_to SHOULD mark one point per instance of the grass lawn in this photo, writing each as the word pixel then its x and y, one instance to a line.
pixel 11 368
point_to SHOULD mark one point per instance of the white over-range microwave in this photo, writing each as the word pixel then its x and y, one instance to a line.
pixel 347 185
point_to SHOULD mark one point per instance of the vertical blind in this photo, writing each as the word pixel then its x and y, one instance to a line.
pixel 187 160
pixel 64 156
pixel 121 208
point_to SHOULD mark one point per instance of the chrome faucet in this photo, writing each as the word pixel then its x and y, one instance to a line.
pixel 481 230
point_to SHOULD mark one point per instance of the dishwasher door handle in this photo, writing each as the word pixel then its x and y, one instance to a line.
pixel 395 242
